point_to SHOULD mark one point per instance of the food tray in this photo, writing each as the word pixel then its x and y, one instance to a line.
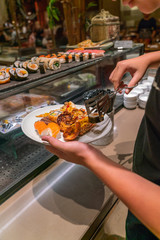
pixel 101 47
pixel 33 77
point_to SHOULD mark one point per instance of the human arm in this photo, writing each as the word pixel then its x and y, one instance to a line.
pixel 136 67
pixel 140 195
pixel 153 34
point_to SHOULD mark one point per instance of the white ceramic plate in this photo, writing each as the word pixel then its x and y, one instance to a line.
pixel 131 97
pixel 130 106
pixel 28 122
pixel 138 91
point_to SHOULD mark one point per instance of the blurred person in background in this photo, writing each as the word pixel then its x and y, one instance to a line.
pixel 4 37
pixel 46 36
pixel 147 29
pixel 61 38
pixel 32 39
pixel 38 34
pixel 13 37
pixel 24 30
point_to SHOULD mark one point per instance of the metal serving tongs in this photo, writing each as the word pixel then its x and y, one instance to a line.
pixel 123 86
pixel 102 103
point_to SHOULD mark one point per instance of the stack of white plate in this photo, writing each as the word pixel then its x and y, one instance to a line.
pixel 150 79
pixel 118 100
pixel 130 100
pixel 148 84
pixel 137 91
pixel 142 87
pixel 142 100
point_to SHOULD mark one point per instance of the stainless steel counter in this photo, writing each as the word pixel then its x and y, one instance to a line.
pixel 67 201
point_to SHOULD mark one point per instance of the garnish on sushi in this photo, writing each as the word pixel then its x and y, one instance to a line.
pixel 51 129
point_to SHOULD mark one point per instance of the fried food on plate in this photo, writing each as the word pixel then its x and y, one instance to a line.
pixel 71 121
pixel 85 125
pixel 71 132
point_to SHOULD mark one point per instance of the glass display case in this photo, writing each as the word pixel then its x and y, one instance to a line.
pixel 21 159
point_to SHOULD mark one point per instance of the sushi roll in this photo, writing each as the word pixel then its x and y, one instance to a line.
pixel 90 56
pixel 77 57
pixel 81 57
pixel 4 77
pixel 12 73
pixel 32 67
pixel 24 65
pixel 95 118
pixel 40 126
pixel 7 69
pixel 93 55
pixel 21 74
pixel 62 59
pixel 73 56
pixel 60 54
pixel 53 55
pixel 54 64
pixel 53 115
pixel 2 68
pixel 48 56
pixel 34 59
pixel 16 64
pixel 85 56
pixel 21 65
pixel 38 59
pixel 46 62
pixel 42 67
pixel 68 58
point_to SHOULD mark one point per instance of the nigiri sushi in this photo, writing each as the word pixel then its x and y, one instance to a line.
pixel 52 129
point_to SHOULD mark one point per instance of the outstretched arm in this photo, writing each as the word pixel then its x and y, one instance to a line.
pixel 141 196
pixel 136 67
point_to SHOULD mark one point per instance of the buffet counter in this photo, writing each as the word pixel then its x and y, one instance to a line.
pixel 21 158
pixel 67 201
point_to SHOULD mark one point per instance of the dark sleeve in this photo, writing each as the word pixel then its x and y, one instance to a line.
pixel 139 26
pixel 154 25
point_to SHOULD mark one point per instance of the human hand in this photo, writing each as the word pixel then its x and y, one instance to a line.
pixel 74 151
pixel 136 67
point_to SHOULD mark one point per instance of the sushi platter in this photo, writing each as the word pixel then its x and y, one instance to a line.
pixel 36 68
